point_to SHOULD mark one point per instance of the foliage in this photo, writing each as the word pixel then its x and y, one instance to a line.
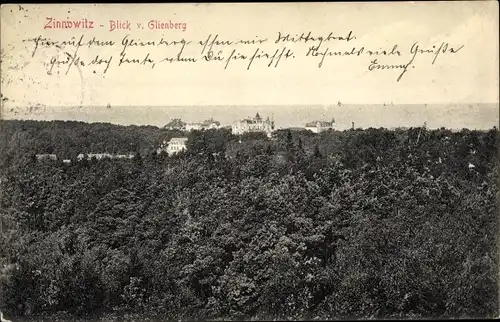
pixel 361 223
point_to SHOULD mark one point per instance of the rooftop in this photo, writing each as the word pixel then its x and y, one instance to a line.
pixel 321 123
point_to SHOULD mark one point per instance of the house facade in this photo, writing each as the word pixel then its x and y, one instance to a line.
pixel 175 145
pixel 256 124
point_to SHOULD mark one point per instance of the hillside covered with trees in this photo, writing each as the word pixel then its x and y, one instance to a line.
pixel 360 223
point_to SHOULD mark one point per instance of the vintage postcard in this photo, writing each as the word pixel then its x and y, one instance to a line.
pixel 281 161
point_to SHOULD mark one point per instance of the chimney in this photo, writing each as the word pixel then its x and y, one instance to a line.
pixel 353 125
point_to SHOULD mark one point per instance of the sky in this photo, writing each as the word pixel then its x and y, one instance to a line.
pixel 460 90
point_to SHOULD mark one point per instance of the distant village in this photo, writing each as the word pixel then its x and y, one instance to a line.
pixel 175 145
pixel 256 124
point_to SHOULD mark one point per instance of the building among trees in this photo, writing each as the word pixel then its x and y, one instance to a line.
pixel 100 156
pixel 205 125
pixel 175 145
pixel 51 157
pixel 175 124
pixel 257 124
pixel 320 126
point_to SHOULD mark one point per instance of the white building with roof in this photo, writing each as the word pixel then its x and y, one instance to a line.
pixel 175 145
pixel 320 126
pixel 257 124
pixel 205 125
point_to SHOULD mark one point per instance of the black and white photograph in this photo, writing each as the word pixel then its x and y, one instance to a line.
pixel 231 187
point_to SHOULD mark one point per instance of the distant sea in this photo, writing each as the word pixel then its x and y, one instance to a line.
pixel 479 116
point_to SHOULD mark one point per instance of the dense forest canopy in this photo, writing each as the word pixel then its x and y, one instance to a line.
pixel 359 223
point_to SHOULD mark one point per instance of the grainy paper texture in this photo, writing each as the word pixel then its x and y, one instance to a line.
pixel 286 161
pixel 426 35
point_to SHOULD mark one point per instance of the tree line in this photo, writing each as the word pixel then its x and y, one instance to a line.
pixel 359 223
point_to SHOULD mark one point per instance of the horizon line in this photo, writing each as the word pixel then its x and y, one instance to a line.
pixel 281 128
